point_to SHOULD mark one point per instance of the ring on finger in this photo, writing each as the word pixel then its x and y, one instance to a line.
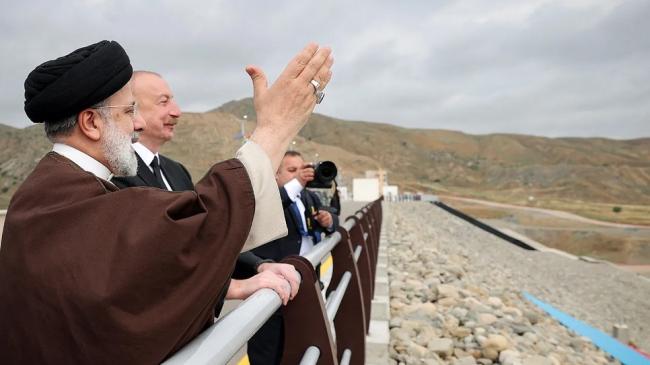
pixel 319 96
pixel 316 85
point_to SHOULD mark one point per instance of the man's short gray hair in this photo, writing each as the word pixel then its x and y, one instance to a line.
pixel 54 130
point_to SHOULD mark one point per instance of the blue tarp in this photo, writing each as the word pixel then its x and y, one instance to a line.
pixel 610 345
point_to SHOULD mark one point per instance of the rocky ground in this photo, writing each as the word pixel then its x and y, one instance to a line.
pixel 456 296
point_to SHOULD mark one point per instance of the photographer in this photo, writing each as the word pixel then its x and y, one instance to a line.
pixel 306 220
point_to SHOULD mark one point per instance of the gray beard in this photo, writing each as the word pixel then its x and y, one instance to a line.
pixel 118 151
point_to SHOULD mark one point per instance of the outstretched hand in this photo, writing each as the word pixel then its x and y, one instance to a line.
pixel 283 109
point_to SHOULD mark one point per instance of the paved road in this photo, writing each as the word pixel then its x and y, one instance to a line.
pixel 555 213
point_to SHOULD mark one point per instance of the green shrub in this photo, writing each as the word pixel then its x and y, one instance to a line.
pixel 617 209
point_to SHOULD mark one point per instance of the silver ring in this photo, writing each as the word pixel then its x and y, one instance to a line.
pixel 316 85
pixel 319 96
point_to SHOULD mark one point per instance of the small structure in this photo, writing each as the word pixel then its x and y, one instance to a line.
pixel 364 190
pixel 381 175
pixel 391 193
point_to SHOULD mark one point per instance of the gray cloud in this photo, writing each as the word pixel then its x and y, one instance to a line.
pixel 543 67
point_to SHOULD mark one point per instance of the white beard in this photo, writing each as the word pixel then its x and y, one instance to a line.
pixel 118 151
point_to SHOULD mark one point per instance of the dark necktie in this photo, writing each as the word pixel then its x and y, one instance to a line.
pixel 157 173
pixel 298 217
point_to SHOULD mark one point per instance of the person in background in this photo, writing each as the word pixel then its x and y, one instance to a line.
pixel 159 110
pixel 306 221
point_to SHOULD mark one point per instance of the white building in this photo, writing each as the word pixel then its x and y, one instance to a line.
pixel 365 190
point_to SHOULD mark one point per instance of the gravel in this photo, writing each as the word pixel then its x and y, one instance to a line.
pixel 452 281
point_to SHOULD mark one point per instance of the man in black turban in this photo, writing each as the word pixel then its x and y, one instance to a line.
pixel 62 87
pixel 93 274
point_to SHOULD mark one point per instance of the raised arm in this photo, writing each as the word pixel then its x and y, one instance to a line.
pixel 283 109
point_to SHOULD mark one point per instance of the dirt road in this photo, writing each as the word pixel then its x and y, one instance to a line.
pixel 555 213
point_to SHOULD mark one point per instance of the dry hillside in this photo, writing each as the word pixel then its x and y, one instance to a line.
pixel 586 175
pixel 562 173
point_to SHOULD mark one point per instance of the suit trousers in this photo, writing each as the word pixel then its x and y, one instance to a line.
pixel 265 347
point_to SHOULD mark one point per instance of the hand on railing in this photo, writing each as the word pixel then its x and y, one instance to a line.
pixel 220 342
pixel 242 289
pixel 288 272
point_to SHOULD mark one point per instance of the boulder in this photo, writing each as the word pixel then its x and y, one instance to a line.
pixel 441 346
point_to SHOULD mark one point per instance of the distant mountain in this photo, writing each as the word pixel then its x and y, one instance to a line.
pixel 201 139
pixel 503 167
pixel 498 166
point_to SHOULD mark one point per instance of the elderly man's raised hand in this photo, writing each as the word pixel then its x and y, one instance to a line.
pixel 283 109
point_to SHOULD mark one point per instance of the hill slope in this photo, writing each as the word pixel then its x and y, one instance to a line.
pixel 561 173
pixel 513 167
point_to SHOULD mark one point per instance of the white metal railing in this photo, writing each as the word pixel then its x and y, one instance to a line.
pixel 311 356
pixel 335 298
pixel 221 341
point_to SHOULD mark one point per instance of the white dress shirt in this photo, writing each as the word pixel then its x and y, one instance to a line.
pixel 83 160
pixel 147 157
pixel 294 188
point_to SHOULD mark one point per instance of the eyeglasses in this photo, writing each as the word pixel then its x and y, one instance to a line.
pixel 133 112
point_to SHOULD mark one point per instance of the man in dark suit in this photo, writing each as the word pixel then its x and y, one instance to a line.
pixel 157 107
pixel 306 220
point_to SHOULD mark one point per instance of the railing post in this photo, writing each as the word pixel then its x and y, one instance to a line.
pixel 372 236
pixel 350 320
pixel 305 320
pixel 372 249
pixel 364 266
pixel 379 213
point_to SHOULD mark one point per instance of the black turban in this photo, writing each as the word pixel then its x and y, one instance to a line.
pixel 63 87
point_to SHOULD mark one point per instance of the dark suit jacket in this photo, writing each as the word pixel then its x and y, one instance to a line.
pixel 265 347
pixel 176 174
pixel 289 245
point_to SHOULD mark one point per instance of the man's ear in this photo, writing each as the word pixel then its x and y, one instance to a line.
pixel 90 124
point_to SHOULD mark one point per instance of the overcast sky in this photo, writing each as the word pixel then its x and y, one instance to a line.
pixel 543 67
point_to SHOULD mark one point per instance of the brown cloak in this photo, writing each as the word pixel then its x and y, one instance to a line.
pixel 93 274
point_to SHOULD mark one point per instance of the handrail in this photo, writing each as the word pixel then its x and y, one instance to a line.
pixel 311 356
pixel 357 253
pixel 318 253
pixel 345 359
pixel 334 301
pixel 348 224
pixel 212 346
pixel 221 341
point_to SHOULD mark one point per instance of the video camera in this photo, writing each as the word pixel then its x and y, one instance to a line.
pixel 324 173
